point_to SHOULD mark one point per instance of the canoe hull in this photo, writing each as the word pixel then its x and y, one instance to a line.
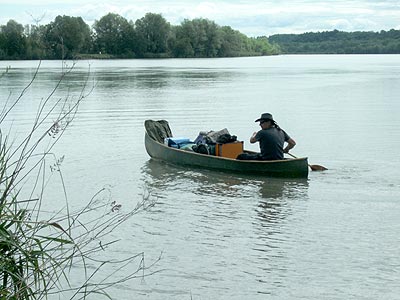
pixel 281 168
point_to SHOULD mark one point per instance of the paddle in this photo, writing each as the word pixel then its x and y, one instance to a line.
pixel 313 167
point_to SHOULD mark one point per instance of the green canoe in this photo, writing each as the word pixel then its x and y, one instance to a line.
pixel 156 131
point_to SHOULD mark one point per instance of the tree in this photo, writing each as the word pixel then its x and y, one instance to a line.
pixel 152 33
pixel 113 35
pixel 35 48
pixel 183 48
pixel 152 36
pixel 67 36
pixel 3 44
pixel 232 42
pixel 13 40
pixel 263 47
pixel 203 34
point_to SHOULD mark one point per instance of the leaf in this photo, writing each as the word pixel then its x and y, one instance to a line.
pixel 59 240
pixel 57 226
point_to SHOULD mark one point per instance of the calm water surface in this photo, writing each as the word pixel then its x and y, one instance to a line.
pixel 221 236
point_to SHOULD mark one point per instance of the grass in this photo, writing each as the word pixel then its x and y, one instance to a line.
pixel 41 251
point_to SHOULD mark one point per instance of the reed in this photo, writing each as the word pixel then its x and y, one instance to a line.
pixel 41 251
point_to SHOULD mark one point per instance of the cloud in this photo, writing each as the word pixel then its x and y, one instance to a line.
pixel 253 18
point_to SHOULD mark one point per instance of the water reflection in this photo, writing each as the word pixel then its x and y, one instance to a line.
pixel 246 214
pixel 162 176
pixel 159 78
pixel 274 218
pixel 276 197
pixel 271 199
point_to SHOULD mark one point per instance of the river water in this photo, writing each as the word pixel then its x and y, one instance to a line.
pixel 334 235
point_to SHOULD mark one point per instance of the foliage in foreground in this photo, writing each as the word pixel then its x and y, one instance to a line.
pixel 42 251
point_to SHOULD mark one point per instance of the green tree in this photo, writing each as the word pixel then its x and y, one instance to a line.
pixel 233 43
pixel 12 40
pixel 67 36
pixel 152 33
pixel 262 46
pixel 204 36
pixel 35 46
pixel 114 35
pixel 152 36
pixel 183 48
pixel 3 54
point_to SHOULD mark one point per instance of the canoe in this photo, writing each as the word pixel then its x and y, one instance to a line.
pixel 295 168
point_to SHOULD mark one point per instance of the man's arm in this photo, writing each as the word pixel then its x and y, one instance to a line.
pixel 253 138
pixel 290 144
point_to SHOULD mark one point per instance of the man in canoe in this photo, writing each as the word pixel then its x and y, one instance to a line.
pixel 272 140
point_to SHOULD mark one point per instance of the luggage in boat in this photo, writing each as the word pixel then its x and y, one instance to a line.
pixel 213 137
pixel 229 150
pixel 176 142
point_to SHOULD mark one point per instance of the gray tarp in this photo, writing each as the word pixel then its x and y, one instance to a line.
pixel 158 130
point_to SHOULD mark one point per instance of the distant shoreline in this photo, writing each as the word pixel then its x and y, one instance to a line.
pixel 339 42
pixel 152 37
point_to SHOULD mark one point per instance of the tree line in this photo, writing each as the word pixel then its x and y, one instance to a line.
pixel 114 36
pixel 339 42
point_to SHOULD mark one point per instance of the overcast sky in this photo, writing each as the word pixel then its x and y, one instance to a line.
pixel 253 18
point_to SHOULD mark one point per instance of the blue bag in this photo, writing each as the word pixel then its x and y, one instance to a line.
pixel 176 142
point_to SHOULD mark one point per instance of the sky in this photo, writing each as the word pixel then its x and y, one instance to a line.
pixel 253 18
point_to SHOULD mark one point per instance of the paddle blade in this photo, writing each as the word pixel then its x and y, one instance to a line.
pixel 317 168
